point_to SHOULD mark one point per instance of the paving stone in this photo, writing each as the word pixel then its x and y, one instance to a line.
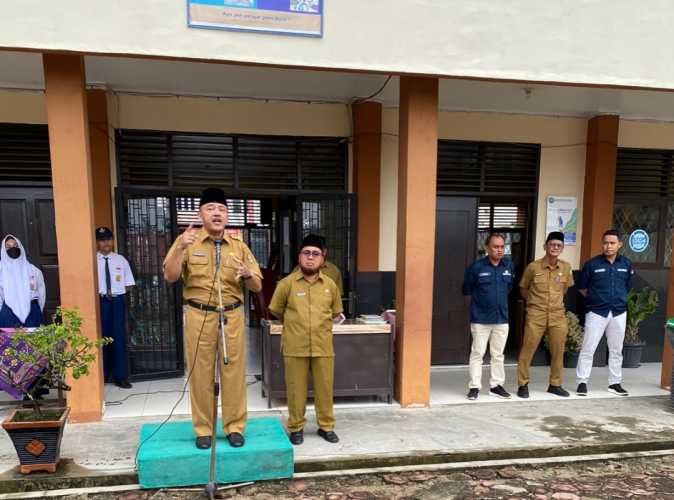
pixel 490 483
pixel 565 496
pixel 565 487
pixel 361 495
pixel 298 486
pixel 421 478
pixel 509 488
pixel 395 479
pixel 459 476
pixel 508 473
pixel 483 473
pixel 336 496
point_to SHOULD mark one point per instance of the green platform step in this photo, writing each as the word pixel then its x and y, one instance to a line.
pixel 170 459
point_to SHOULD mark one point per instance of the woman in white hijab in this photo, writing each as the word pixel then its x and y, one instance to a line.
pixel 22 290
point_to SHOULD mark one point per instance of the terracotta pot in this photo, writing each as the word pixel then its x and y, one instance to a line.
pixel 38 444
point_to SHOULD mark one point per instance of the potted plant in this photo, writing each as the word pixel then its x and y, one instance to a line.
pixel 640 304
pixel 52 351
pixel 574 341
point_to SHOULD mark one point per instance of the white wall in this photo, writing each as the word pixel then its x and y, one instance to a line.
pixel 611 42
pixel 562 169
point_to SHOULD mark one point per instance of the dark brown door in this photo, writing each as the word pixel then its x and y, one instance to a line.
pixel 455 237
pixel 28 213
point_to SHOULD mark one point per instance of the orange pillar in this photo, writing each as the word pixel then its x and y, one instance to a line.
pixel 600 172
pixel 366 181
pixel 74 210
pixel 97 106
pixel 417 170
pixel 666 370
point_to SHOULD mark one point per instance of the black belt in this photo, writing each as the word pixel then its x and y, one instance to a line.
pixel 206 307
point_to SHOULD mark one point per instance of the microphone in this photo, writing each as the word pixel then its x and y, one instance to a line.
pixel 218 247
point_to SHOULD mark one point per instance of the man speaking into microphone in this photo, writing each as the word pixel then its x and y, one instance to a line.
pixel 196 256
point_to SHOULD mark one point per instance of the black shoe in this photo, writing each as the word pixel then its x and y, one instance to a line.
pixel 124 384
pixel 558 390
pixel 473 393
pixel 581 390
pixel 523 391
pixel 235 439
pixel 204 442
pixel 500 392
pixel 329 436
pixel 297 437
pixel 618 389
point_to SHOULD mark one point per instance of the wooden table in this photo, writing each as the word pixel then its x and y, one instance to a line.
pixel 363 361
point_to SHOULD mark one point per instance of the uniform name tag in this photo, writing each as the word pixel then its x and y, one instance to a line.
pixel 602 270
pixel 485 274
pixel 198 254
pixel 301 294
pixel 621 270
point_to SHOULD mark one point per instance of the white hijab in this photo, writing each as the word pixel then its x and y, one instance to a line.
pixel 15 280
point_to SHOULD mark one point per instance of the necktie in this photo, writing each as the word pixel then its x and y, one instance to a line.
pixel 108 278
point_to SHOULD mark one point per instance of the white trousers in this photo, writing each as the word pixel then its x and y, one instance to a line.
pixel 496 336
pixel 595 326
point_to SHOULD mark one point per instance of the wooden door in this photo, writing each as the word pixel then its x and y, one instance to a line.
pixel 455 237
pixel 28 213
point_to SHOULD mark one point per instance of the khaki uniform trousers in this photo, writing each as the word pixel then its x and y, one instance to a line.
pixel 534 328
pixel 297 379
pixel 232 376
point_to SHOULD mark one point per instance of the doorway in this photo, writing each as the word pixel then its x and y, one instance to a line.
pixel 272 226
pixel 28 213
pixel 455 236
pixel 462 226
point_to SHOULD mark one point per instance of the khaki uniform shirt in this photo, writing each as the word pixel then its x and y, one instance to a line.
pixel 332 272
pixel 306 310
pixel 547 286
pixel 199 269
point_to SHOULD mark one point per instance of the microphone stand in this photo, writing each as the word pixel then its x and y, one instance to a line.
pixel 212 486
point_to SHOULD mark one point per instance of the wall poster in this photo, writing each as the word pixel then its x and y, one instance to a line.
pixel 562 213
pixel 289 17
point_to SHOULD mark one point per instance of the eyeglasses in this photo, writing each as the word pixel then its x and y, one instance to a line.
pixel 311 253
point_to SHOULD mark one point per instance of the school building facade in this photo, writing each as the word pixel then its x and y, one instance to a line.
pixel 403 133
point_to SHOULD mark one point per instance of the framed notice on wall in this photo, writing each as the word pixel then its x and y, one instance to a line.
pixel 288 17
pixel 562 215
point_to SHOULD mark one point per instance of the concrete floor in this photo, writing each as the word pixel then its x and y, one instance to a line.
pixel 476 431
pixel 448 387
pixel 452 424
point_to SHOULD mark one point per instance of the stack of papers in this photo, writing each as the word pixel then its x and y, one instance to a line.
pixel 370 319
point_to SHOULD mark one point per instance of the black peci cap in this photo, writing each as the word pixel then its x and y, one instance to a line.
pixel 213 195
pixel 312 240
pixel 555 235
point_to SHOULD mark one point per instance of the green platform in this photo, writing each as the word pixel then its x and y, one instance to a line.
pixel 171 459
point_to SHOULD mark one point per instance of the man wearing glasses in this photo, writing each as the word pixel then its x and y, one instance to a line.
pixel 543 285
pixel 307 302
